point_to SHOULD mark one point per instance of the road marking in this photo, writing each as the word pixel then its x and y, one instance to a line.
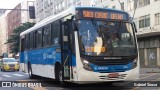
pixel 143 78
pixel 18 75
pixel 138 79
pixel 148 76
pixel 6 75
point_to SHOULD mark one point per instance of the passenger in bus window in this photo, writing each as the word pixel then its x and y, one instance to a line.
pixel 114 40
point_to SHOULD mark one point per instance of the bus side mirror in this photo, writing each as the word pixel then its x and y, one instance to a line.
pixel 134 25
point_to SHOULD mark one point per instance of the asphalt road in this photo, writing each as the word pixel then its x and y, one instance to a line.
pixel 52 85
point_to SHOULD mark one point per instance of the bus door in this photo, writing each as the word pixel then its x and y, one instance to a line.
pixel 66 50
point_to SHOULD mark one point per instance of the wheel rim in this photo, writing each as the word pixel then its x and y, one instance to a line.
pixel 30 72
pixel 60 76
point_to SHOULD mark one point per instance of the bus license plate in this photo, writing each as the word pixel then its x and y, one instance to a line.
pixel 113 75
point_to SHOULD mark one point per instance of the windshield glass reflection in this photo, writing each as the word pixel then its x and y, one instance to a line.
pixel 101 38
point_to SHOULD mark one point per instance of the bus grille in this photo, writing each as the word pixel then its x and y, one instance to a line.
pixel 103 62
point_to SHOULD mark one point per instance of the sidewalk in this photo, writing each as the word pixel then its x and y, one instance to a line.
pixel 149 70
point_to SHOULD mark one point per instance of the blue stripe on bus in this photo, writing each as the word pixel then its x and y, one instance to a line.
pixel 21 57
pixel 46 56
pixel 73 60
pixel 112 68
pixel 41 56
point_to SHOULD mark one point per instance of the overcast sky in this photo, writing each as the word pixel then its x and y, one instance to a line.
pixel 9 4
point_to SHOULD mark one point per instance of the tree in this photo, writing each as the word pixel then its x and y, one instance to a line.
pixel 14 39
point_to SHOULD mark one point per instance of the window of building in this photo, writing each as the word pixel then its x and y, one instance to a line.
pixel 122 6
pixel 102 0
pixel 144 21
pixel 59 6
pixel 135 20
pixel 63 4
pixel 131 5
pixel 56 7
pixel 142 3
pixel 157 19
pixel 52 1
pixel 49 1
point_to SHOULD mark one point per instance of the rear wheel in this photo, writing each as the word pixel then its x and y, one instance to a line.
pixel 31 76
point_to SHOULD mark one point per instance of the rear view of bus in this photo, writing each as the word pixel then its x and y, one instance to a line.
pixel 107 45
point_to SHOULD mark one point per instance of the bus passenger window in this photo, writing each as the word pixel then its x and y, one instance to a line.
pixel 46 36
pixel 55 31
pixel 38 38
pixel 22 44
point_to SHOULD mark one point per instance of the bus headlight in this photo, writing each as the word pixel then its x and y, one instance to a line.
pixel 135 63
pixel 86 65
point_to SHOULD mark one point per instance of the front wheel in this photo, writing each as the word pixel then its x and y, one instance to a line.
pixel 60 78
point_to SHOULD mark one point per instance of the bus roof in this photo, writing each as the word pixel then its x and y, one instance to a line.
pixel 70 11
pixel 50 19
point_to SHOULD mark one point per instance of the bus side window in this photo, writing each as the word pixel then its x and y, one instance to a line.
pixel 55 31
pixel 31 40
pixel 22 43
pixel 46 36
pixel 38 38
pixel 27 44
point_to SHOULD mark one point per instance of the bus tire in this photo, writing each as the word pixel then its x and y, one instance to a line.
pixel 31 76
pixel 59 76
pixel 62 83
pixel 57 68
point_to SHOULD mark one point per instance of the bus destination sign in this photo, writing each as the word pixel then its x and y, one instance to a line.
pixel 96 13
pixel 103 15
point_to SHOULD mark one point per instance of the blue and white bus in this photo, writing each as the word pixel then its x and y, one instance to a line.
pixel 82 44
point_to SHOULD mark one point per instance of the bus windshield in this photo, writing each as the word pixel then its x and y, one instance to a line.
pixel 106 38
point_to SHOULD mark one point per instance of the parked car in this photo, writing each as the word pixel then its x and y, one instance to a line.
pixel 9 64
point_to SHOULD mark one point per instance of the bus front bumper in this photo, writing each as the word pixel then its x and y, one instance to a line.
pixel 94 77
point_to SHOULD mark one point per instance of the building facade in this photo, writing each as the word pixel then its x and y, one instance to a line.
pixel 46 8
pixel 15 18
pixel 146 15
pixel 115 4
pixel 147 19
pixel 3 33
pixel 14 21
